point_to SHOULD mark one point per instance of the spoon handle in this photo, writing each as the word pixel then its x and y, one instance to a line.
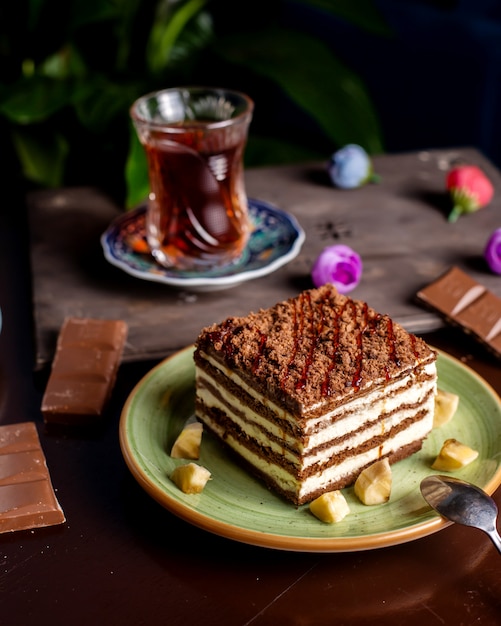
pixel 495 538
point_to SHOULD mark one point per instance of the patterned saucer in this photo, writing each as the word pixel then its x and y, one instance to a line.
pixel 276 239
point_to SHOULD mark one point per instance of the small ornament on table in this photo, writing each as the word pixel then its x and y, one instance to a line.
pixel 339 265
pixel 470 190
pixel 492 252
pixel 351 167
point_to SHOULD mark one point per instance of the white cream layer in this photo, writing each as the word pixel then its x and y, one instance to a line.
pixel 328 475
pixel 396 403
pixel 363 414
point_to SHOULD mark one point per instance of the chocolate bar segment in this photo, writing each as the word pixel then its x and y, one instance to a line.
pixel 27 498
pixel 464 302
pixel 84 370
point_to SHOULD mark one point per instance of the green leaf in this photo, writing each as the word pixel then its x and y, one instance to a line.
pixel 63 64
pixel 98 102
pixel 198 33
pixel 42 156
pixel 166 30
pixel 314 79
pixel 136 172
pixel 35 99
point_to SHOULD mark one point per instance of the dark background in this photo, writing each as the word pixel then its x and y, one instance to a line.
pixel 436 82
pixel 431 70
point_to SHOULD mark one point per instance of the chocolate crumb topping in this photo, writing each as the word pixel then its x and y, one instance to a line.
pixel 318 347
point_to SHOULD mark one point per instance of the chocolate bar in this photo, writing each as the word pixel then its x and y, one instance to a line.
pixel 84 370
pixel 464 302
pixel 27 498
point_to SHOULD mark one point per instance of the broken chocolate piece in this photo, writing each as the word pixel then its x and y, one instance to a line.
pixel 463 302
pixel 84 370
pixel 27 498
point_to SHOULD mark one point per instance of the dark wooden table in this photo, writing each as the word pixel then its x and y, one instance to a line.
pixel 121 558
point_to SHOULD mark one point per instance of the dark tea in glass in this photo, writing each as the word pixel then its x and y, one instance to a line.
pixel 194 140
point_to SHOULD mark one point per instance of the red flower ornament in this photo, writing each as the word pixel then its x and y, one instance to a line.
pixel 470 190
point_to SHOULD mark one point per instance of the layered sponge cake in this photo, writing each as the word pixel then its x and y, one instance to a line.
pixel 314 389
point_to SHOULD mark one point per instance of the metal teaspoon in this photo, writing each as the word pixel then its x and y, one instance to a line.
pixel 463 503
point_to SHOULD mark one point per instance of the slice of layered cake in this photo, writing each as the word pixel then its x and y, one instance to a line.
pixel 314 389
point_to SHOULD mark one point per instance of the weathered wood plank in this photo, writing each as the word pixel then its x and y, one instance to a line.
pixel 398 226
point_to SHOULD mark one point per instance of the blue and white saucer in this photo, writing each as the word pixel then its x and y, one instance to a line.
pixel 276 238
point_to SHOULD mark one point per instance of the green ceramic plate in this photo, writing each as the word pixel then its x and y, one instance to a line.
pixel 237 506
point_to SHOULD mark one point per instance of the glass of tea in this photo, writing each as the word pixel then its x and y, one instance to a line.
pixel 194 138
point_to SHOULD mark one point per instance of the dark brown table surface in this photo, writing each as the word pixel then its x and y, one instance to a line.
pixel 120 558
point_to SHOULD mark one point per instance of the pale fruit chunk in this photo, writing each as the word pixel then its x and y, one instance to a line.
pixel 373 485
pixel 453 455
pixel 190 478
pixel 187 445
pixel 446 404
pixel 330 507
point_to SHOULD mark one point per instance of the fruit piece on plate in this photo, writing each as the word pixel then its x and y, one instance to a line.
pixel 373 485
pixel 454 455
pixel 330 507
pixel 446 404
pixel 190 478
pixel 187 445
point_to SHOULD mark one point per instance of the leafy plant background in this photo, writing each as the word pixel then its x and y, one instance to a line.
pixel 70 71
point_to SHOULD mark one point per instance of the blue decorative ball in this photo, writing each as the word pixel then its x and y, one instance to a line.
pixel 350 167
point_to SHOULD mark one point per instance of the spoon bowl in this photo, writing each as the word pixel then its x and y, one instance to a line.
pixel 462 503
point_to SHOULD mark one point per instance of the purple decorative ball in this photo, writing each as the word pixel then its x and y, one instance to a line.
pixel 492 253
pixel 339 265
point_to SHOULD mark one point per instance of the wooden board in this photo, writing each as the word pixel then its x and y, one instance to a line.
pixel 398 226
